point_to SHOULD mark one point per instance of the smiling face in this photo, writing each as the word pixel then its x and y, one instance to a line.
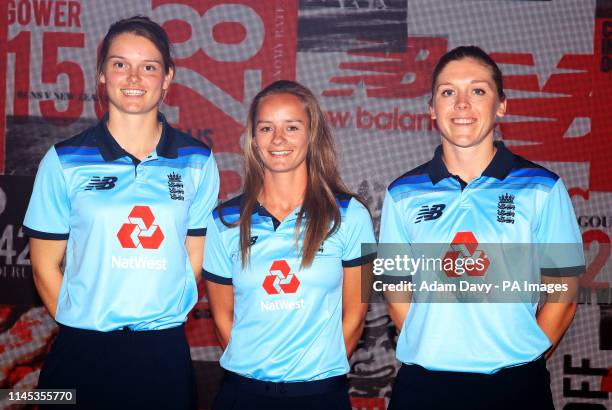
pixel 465 103
pixel 133 75
pixel 281 133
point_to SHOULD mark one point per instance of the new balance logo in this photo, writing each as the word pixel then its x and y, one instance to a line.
pixel 101 183
pixel 427 213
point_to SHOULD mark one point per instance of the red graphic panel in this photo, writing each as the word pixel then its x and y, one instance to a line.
pixel 579 95
pixel 225 54
pixel 368 403
pixel 606 382
pixel 391 75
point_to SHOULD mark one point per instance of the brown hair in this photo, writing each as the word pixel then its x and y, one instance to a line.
pixel 476 53
pixel 319 209
pixel 140 26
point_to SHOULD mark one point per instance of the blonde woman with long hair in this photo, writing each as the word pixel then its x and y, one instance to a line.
pixel 283 263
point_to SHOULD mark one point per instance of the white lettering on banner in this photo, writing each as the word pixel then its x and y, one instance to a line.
pixel 7 247
pixel 2 200
pixel 208 90
pixel 202 39
pixel 168 12
pixel 279 50
pixel 14 272
pixel 281 304
pixel 241 14
pixel 202 31
pixel 139 262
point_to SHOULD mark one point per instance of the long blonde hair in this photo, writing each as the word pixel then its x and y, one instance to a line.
pixel 319 209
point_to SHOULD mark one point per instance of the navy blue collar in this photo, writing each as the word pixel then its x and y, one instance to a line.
pixel 111 150
pixel 261 211
pixel 257 210
pixel 499 167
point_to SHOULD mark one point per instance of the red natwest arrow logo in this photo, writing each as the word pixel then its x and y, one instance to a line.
pixel 140 231
pixel 464 246
pixel 280 279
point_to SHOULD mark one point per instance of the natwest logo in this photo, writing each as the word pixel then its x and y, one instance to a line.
pixel 280 279
pixel 465 257
pixel 140 231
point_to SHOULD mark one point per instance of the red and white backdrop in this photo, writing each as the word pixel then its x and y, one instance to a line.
pixel 370 63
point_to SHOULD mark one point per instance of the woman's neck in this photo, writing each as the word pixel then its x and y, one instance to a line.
pixel 467 163
pixel 136 134
pixel 282 192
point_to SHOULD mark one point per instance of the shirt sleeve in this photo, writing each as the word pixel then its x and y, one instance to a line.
pixel 205 199
pixel 558 236
pixel 358 231
pixel 392 229
pixel 48 214
pixel 217 262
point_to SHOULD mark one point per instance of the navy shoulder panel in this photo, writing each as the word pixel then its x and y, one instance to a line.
pixel 525 168
pixel 417 175
pixel 230 209
pixel 343 199
pixel 80 143
pixel 184 140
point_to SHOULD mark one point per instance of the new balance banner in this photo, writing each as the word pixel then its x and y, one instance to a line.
pixel 370 63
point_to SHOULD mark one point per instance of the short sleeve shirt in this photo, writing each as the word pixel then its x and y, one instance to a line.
pixel 287 321
pixel 125 222
pixel 514 201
